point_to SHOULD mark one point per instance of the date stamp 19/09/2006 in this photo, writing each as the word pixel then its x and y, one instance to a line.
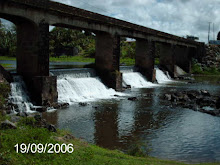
pixel 48 148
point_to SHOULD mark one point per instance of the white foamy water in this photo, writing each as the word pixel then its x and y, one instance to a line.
pixel 19 96
pixel 71 89
pixel 162 77
pixel 136 80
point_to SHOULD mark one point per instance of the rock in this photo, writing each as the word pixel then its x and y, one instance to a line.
pixel 22 114
pixel 168 97
pixel 205 93
pixel 43 123
pixel 8 125
pixel 69 137
pixel 218 103
pixel 95 107
pixel 51 128
pixel 15 119
pixel 60 105
pixel 192 94
pixel 64 105
pixel 83 104
pixel 128 87
pixel 132 98
pixel 41 109
pixel 213 113
pixel 4 112
pixel 174 98
pixel 116 95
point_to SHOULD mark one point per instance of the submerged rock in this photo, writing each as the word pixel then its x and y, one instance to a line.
pixel 218 103
pixel 132 98
pixel 195 100
pixel 167 97
pixel 41 109
pixel 83 104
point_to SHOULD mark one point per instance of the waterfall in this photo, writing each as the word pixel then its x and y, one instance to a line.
pixel 82 88
pixel 81 85
pixel 136 80
pixel 162 77
pixel 19 97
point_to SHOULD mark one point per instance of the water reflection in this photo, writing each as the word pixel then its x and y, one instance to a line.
pixel 106 126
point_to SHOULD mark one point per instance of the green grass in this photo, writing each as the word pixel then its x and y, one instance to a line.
pixel 6 65
pixel 157 62
pixel 6 58
pixel 72 59
pixel 127 61
pixel 196 69
pixel 84 153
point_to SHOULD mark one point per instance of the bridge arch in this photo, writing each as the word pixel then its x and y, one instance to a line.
pixel 29 46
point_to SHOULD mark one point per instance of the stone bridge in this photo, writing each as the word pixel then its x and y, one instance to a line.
pixel 33 18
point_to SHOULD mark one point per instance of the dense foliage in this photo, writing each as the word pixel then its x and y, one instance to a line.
pixel 62 38
pixel 7 40
pixel 128 49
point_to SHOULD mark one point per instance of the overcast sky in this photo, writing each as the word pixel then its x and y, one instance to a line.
pixel 179 17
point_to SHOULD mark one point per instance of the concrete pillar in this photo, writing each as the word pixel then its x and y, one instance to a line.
pixel 200 52
pixel 183 58
pixel 108 59
pixel 33 61
pixel 44 90
pixel 166 58
pixel 32 49
pixel 144 59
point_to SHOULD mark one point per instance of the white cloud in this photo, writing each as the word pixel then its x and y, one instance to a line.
pixel 178 17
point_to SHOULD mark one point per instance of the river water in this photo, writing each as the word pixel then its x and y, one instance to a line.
pixel 112 121
pixel 169 132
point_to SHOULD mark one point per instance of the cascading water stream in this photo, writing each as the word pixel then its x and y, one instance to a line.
pixel 137 80
pixel 19 97
pixel 161 77
pixel 82 87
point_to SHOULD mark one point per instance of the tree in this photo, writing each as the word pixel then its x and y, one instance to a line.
pixel 8 40
pixel 61 38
